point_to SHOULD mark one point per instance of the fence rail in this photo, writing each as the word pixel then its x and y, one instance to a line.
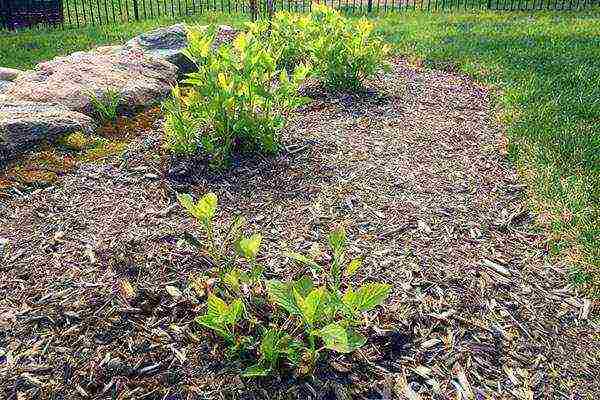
pixel 15 14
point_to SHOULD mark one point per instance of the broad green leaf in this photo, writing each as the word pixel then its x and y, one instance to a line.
pixel 204 210
pixel 212 323
pixel 269 345
pixel 337 338
pixel 217 307
pixel 236 309
pixel 186 202
pixel 281 295
pixel 371 295
pixel 353 266
pixel 304 260
pixel 256 370
pixel 207 206
pixel 232 279
pixel 351 300
pixel 304 285
pixel 292 348
pixel 283 77
pixel 311 306
pixel 249 247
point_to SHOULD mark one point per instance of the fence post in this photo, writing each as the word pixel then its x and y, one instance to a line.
pixel 136 11
pixel 254 10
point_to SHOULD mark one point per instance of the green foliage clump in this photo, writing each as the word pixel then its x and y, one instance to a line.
pixel 288 35
pixel 235 101
pixel 106 106
pixel 343 51
pixel 277 322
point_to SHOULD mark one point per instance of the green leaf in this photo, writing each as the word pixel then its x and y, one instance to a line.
pixel 207 206
pixel 281 295
pixel 217 307
pixel 232 279
pixel 304 260
pixel 186 202
pixel 353 266
pixel 337 338
pixel 371 295
pixel 212 322
pixel 204 210
pixel 337 240
pixel 304 285
pixel 283 77
pixel 256 370
pixel 269 345
pixel 249 247
pixel 236 309
pixel 351 300
pixel 311 306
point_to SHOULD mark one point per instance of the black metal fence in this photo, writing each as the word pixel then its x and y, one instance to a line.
pixel 15 14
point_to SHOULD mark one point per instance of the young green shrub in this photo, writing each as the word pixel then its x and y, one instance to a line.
pixel 106 106
pixel 330 308
pixel 180 129
pixel 280 322
pixel 235 102
pixel 344 52
pixel 289 35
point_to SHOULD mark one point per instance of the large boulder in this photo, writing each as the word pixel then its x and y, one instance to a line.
pixel 141 80
pixel 9 74
pixel 168 44
pixel 24 124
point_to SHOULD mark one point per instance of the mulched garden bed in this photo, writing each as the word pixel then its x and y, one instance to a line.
pixel 411 168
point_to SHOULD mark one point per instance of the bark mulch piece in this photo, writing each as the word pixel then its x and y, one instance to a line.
pixel 411 168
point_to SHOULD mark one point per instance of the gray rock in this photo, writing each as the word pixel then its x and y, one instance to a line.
pixel 9 74
pixel 4 86
pixel 25 124
pixel 141 80
pixel 168 44
pixel 165 43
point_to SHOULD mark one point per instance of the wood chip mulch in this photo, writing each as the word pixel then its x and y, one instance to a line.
pixel 411 168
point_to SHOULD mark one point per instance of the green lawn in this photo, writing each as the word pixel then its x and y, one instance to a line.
pixel 26 48
pixel 546 67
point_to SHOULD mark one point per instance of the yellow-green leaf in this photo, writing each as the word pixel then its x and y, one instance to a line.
pixel 353 266
pixel 303 260
pixel 249 247
pixel 337 338
pixel 371 295
pixel 217 307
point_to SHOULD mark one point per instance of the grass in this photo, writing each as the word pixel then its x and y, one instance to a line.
pixel 25 49
pixel 545 67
